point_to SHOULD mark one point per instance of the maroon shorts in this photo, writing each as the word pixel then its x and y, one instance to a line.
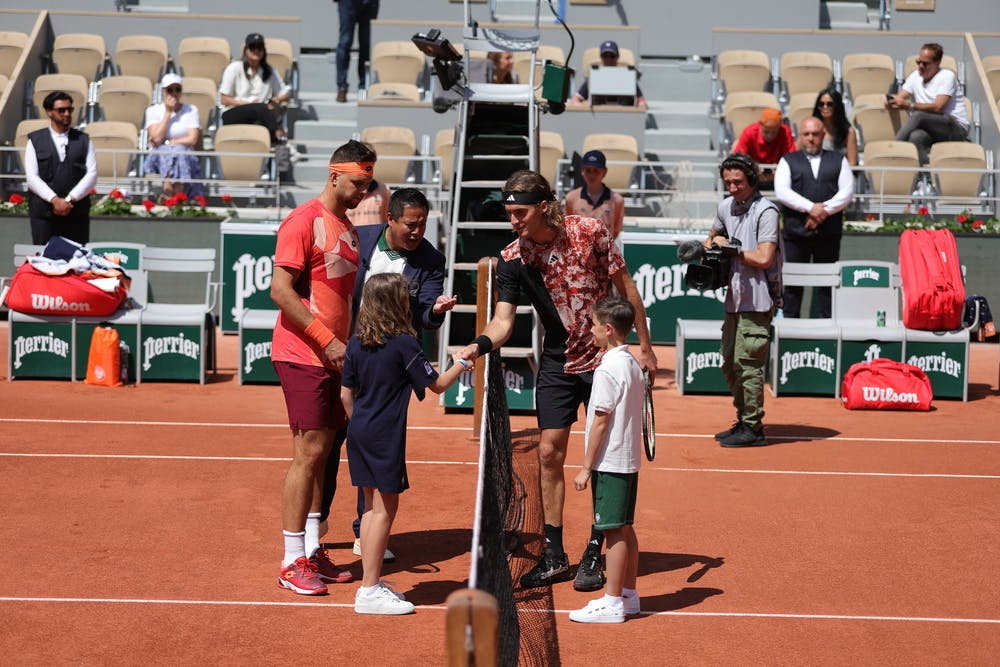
pixel 312 396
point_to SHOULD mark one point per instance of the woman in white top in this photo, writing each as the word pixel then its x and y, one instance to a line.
pixel 252 91
pixel 174 131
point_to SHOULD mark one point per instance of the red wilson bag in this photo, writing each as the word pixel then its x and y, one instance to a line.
pixel 884 384
pixel 36 293
pixel 933 291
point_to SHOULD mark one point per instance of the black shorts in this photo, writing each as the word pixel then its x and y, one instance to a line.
pixel 558 394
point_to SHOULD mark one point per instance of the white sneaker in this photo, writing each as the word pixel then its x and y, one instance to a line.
pixel 382 600
pixel 631 605
pixel 388 557
pixel 294 155
pixel 598 611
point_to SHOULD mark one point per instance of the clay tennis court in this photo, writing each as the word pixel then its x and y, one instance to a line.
pixel 141 524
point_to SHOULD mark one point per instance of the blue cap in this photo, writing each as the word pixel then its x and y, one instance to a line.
pixel 609 47
pixel 593 159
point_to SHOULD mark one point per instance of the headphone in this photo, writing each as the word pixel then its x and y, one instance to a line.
pixel 744 163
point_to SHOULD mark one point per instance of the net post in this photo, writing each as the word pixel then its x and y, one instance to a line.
pixel 471 629
pixel 484 310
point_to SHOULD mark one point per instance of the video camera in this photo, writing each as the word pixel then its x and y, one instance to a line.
pixel 713 264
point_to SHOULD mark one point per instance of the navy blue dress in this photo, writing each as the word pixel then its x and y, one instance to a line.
pixel 382 379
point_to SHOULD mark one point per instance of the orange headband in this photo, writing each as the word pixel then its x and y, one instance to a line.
pixel 365 168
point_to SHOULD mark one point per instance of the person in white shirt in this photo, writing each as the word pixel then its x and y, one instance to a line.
pixel 252 91
pixel 935 101
pixel 174 131
pixel 813 186
pixel 60 167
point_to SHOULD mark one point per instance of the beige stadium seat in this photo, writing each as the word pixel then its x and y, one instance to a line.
pixel 125 98
pixel 280 55
pixel 396 62
pixel 204 94
pixel 744 70
pixel 11 46
pixel 3 83
pixel 804 71
pixel 204 57
pixel 551 150
pixel 24 128
pixel 242 139
pixel 592 58
pixel 79 53
pixel 113 135
pixel 444 149
pixel 73 85
pixel 991 65
pixel 868 73
pixel 391 140
pixel 800 106
pixel 522 62
pixel 893 184
pixel 947 62
pixel 876 122
pixel 957 155
pixel 400 92
pixel 142 55
pixel 622 147
pixel 744 107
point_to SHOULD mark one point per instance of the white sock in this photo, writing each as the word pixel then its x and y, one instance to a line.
pixel 612 599
pixel 368 590
pixel 295 547
pixel 629 593
pixel 312 533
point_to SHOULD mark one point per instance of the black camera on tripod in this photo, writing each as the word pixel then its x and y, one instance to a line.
pixel 713 264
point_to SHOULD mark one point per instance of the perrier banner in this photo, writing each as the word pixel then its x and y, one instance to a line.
pixel 247 265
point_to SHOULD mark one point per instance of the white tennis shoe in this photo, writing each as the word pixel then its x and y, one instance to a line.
pixel 599 611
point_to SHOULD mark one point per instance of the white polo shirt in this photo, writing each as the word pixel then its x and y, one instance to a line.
pixel 618 389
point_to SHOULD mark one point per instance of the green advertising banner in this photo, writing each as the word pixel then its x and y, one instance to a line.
pixel 41 349
pixel 247 265
pixel 805 366
pixel 700 368
pixel 946 365
pixel 519 381
pixel 659 277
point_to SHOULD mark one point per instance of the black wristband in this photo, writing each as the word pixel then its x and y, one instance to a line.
pixel 484 344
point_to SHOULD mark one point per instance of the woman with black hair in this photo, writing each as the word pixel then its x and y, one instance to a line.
pixel 252 91
pixel 840 136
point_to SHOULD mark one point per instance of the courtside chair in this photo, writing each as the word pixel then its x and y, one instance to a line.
pixel 124 98
pixel 943 356
pixel 552 148
pixel 142 55
pixel 178 339
pixel 391 141
pixel 256 330
pixel 79 53
pixel 24 128
pixel 965 185
pixel 616 147
pixel 991 65
pixel 281 56
pixel 74 85
pixel 804 71
pixel 800 107
pixel 868 73
pixel 11 46
pixel 699 357
pixel 396 62
pixel 203 93
pixel 52 361
pixel 203 57
pixel 804 350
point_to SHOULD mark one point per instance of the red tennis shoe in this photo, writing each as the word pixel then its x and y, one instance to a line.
pixel 326 570
pixel 301 577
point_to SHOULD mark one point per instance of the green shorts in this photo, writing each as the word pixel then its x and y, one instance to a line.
pixel 614 498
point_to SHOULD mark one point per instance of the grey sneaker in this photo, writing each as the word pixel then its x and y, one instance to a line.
pixel 589 575
pixel 549 570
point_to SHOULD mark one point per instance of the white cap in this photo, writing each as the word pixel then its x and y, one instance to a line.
pixel 170 79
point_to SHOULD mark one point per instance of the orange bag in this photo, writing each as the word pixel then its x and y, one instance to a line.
pixel 104 360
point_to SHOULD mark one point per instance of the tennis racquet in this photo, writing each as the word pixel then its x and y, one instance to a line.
pixel 648 419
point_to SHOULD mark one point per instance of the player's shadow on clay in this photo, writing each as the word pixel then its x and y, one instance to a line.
pixel 783 434
pixel 686 597
pixel 653 562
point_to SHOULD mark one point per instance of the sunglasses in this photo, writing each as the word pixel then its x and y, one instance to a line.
pixel 63 109
pixel 174 90
pixel 824 104
pixel 924 63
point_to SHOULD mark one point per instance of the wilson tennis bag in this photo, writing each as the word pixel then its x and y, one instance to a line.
pixel 933 292
pixel 884 384
pixel 36 293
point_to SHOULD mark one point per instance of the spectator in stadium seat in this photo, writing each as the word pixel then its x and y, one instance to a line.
pixel 353 13
pixel 766 141
pixel 609 58
pixel 935 102
pixel 500 67
pixel 252 91
pixel 840 136
pixel 174 131
pixel 563 265
pixel 595 199
pixel 813 186
pixel 60 166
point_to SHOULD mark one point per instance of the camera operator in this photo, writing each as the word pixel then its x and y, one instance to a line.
pixel 754 293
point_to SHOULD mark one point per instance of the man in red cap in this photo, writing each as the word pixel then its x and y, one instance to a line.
pixel 766 141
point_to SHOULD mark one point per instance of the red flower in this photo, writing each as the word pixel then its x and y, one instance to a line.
pixel 978 224
pixel 923 210
pixel 180 196
pixel 16 199
pixel 116 194
pixel 869 216
pixel 228 199
pixel 172 201
pixel 148 204
pixel 201 200
pixel 93 191
pixel 961 218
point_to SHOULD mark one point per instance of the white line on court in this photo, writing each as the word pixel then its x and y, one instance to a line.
pixel 722 614
pixel 803 438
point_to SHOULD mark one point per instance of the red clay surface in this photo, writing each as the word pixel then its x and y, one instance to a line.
pixel 141 524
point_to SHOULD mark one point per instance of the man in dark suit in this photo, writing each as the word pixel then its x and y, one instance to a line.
pixel 813 186
pixel 60 167
pixel 397 246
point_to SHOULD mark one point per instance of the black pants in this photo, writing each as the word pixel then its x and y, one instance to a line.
pixel 73 227
pixel 330 483
pixel 818 250
pixel 253 114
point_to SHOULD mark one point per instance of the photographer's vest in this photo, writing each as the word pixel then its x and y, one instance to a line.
pixel 815 189
pixel 62 175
